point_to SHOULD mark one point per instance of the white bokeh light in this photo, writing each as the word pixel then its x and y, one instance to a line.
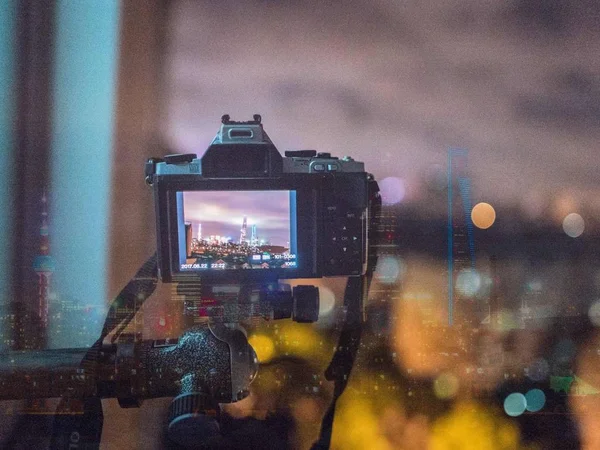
pixel 392 190
pixel 468 282
pixel 573 225
pixel 594 313
pixel 390 269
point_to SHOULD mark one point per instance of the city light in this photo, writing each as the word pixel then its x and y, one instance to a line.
pixel 390 269
pixel 392 190
pixel 573 225
pixel 446 386
pixel 483 215
pixel 536 399
pixel 594 313
pixel 515 404
pixel 468 282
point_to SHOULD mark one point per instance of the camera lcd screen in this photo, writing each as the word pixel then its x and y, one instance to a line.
pixel 237 230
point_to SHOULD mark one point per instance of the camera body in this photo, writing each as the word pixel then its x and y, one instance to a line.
pixel 243 212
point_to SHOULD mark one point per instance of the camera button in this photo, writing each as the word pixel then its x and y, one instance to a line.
pixel 332 167
pixel 318 167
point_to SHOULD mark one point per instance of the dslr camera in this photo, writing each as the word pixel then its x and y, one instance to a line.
pixel 244 213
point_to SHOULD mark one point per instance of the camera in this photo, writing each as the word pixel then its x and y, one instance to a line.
pixel 229 226
pixel 243 212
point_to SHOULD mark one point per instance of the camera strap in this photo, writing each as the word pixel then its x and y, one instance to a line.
pixel 356 292
pixel 77 423
pixel 345 353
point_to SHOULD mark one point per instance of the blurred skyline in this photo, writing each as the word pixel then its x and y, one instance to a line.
pixel 397 84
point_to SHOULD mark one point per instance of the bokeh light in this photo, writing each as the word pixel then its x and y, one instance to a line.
pixel 536 399
pixel 392 190
pixel 446 386
pixel 538 370
pixel 468 282
pixel 594 313
pixel 515 404
pixel 263 347
pixel 473 426
pixel 565 349
pixel 507 320
pixel 296 339
pixel 563 204
pixel 390 269
pixel 573 225
pixel 483 215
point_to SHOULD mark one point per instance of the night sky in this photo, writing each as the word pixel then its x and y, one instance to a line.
pixel 397 83
pixel 222 213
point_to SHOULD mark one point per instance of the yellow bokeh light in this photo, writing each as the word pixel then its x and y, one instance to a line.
pixel 483 215
pixel 473 426
pixel 446 386
pixel 263 346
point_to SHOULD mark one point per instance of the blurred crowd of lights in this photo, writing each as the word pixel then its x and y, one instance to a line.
pixel 516 403
pixel 483 216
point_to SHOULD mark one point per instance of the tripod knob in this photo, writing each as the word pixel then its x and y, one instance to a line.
pixel 306 304
pixel 190 421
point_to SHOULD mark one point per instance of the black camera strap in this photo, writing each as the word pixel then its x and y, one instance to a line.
pixel 78 424
pixel 356 292
pixel 345 353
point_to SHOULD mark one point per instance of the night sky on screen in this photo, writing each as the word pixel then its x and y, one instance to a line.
pixel 222 214
pixel 396 83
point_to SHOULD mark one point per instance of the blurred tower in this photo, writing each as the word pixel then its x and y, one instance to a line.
pixel 461 245
pixel 199 232
pixel 244 230
pixel 253 238
pixel 43 265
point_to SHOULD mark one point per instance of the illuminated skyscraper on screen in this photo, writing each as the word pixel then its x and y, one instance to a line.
pixel 244 231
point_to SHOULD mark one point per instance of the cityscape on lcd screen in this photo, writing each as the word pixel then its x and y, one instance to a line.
pixel 237 230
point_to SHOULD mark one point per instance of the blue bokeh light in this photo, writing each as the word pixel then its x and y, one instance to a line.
pixel 515 404
pixel 536 399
